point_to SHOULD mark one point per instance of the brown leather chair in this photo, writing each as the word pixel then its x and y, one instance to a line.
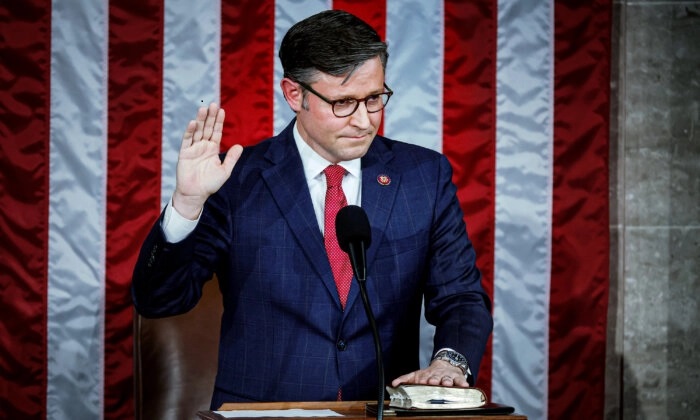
pixel 175 360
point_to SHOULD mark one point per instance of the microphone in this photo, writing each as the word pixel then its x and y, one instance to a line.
pixel 354 237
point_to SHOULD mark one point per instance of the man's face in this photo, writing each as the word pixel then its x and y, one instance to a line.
pixel 341 139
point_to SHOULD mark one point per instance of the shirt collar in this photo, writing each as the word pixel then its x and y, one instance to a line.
pixel 314 164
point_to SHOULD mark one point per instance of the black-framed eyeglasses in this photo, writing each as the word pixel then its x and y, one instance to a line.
pixel 347 106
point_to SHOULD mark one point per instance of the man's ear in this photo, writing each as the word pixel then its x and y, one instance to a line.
pixel 292 93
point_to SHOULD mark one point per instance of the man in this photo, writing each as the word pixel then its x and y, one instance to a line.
pixel 291 329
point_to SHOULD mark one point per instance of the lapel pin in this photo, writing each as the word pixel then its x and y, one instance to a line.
pixel 383 179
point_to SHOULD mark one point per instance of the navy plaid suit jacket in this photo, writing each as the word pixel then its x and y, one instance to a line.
pixel 284 335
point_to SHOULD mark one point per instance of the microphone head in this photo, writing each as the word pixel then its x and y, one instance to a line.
pixel 352 227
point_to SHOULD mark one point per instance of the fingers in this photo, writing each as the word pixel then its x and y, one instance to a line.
pixel 232 157
pixel 200 119
pixel 409 378
pixel 433 376
pixel 188 135
pixel 217 127
pixel 208 125
pixel 447 380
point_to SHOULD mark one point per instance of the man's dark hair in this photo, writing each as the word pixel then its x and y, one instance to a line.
pixel 333 42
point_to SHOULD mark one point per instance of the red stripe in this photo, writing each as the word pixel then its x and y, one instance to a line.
pixel 247 42
pixel 133 182
pixel 24 177
pixel 469 125
pixel 580 248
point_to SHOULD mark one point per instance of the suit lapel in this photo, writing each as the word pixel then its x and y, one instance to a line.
pixel 287 183
pixel 380 183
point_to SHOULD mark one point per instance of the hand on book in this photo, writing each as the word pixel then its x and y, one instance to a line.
pixel 439 372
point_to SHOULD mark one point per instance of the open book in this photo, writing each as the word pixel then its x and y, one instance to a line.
pixel 435 397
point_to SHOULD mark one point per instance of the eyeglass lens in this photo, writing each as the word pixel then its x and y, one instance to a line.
pixel 374 103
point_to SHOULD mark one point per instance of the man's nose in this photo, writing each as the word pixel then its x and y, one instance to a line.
pixel 360 118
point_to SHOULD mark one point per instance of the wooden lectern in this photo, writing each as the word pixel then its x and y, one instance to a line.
pixel 350 410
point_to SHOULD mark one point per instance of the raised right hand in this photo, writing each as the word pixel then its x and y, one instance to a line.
pixel 200 171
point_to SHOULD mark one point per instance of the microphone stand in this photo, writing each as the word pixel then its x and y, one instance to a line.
pixel 362 280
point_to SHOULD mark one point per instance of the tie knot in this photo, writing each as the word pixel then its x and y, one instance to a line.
pixel 334 175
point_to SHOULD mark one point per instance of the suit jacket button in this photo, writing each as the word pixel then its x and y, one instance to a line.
pixel 342 345
pixel 152 257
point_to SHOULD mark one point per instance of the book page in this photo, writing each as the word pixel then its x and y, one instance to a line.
pixel 294 412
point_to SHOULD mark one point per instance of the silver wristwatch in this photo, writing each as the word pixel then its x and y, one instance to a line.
pixel 455 359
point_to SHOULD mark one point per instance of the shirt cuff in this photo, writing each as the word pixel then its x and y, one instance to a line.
pixel 175 226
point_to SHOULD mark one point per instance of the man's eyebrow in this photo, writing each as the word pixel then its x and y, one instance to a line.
pixel 342 97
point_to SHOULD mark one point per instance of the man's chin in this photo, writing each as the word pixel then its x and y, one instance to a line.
pixel 357 151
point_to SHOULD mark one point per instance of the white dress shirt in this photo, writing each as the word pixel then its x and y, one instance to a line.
pixel 176 227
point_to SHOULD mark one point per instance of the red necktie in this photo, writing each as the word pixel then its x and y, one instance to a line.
pixel 335 200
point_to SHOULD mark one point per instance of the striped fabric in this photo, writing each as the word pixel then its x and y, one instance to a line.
pixel 93 100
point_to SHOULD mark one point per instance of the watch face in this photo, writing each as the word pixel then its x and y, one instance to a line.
pixel 457 358
pixel 451 356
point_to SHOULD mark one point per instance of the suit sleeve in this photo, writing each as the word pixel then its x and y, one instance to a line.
pixel 168 277
pixel 456 302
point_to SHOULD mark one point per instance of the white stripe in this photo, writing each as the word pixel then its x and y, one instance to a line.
pixel 287 13
pixel 77 195
pixel 523 205
pixel 191 74
pixel 415 37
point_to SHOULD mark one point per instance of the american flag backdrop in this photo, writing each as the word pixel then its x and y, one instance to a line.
pixel 94 96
